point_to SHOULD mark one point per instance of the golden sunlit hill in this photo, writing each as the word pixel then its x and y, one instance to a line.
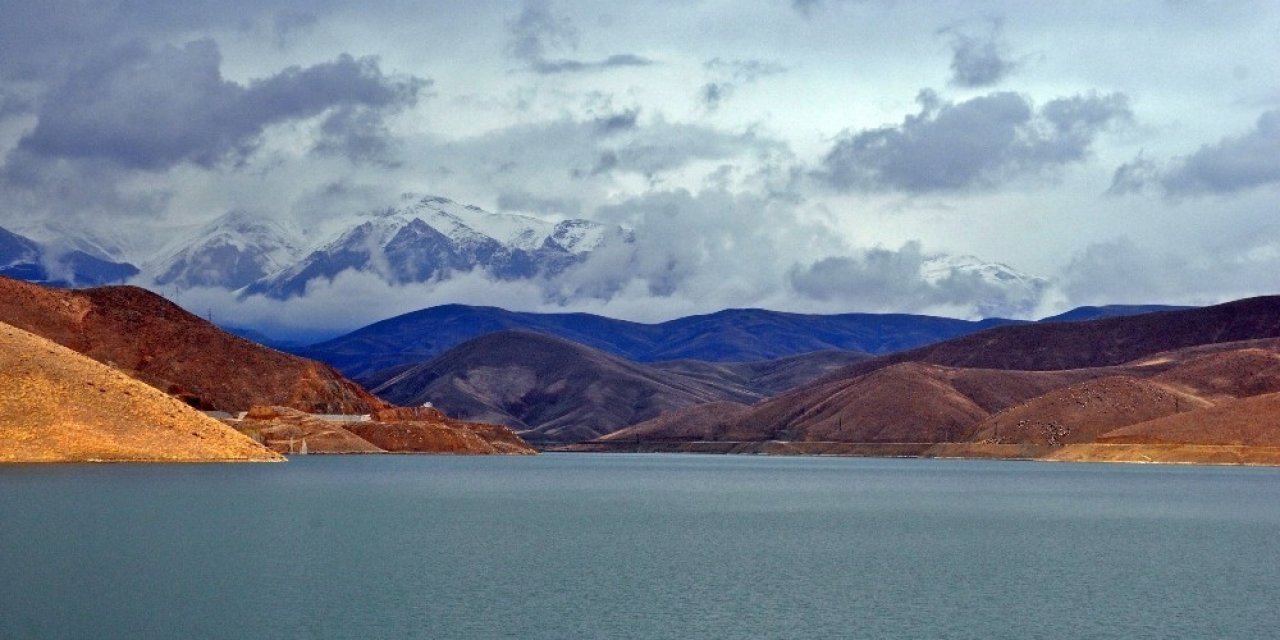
pixel 59 406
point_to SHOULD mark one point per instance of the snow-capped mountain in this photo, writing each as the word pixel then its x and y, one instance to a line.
pixel 26 259
pixel 231 252
pixel 433 238
pixel 1002 291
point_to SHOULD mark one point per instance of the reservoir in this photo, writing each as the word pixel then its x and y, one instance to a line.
pixel 638 546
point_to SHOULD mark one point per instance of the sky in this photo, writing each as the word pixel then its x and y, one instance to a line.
pixel 791 154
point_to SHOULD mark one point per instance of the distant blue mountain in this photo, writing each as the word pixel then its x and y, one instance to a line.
pixel 733 335
pixel 1082 314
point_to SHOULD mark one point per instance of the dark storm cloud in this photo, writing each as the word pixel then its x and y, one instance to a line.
pixel 882 278
pixel 978 56
pixel 534 36
pixel 978 143
pixel 148 108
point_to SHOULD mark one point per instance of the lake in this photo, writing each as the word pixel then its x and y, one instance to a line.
pixel 638 546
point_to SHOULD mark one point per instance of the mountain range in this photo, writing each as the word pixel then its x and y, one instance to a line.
pixel 732 335
pixel 554 390
pixel 421 240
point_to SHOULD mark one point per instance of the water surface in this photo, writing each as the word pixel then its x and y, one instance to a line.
pixel 638 546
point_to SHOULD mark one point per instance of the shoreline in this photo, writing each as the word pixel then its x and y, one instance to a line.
pixel 1184 454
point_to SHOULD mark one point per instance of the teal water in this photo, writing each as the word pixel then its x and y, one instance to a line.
pixel 643 546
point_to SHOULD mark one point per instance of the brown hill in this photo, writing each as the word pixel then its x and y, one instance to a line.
pixel 401 430
pixel 158 342
pixel 1237 373
pixel 59 406
pixel 1095 343
pixel 764 377
pixel 549 389
pixel 941 393
pixel 906 402
pixel 708 421
pixel 1251 421
pixel 1081 412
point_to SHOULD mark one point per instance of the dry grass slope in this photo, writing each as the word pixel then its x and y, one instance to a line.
pixel 59 406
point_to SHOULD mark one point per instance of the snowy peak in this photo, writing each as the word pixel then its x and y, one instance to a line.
pixel 229 252
pixel 433 238
pixel 26 259
pixel 579 236
pixel 1005 292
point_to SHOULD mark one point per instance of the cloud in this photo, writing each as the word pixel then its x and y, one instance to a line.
pixel 615 122
pixel 578 163
pixel 534 36
pixel 727 75
pixel 13 103
pixel 288 23
pixel 1122 271
pixel 358 134
pixel 537 31
pixel 975 144
pixel 978 56
pixel 1234 164
pixel 882 279
pixel 1133 176
pixel 548 67
pixel 146 108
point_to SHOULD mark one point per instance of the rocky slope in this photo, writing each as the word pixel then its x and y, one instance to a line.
pixel 146 336
pixel 60 406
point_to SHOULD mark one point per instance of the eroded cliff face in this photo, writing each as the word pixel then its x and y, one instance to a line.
pixel 159 343
pixel 392 430
pixel 59 406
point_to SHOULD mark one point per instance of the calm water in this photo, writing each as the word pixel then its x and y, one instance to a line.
pixel 648 546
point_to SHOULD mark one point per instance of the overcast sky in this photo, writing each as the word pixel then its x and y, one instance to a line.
pixel 1130 152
